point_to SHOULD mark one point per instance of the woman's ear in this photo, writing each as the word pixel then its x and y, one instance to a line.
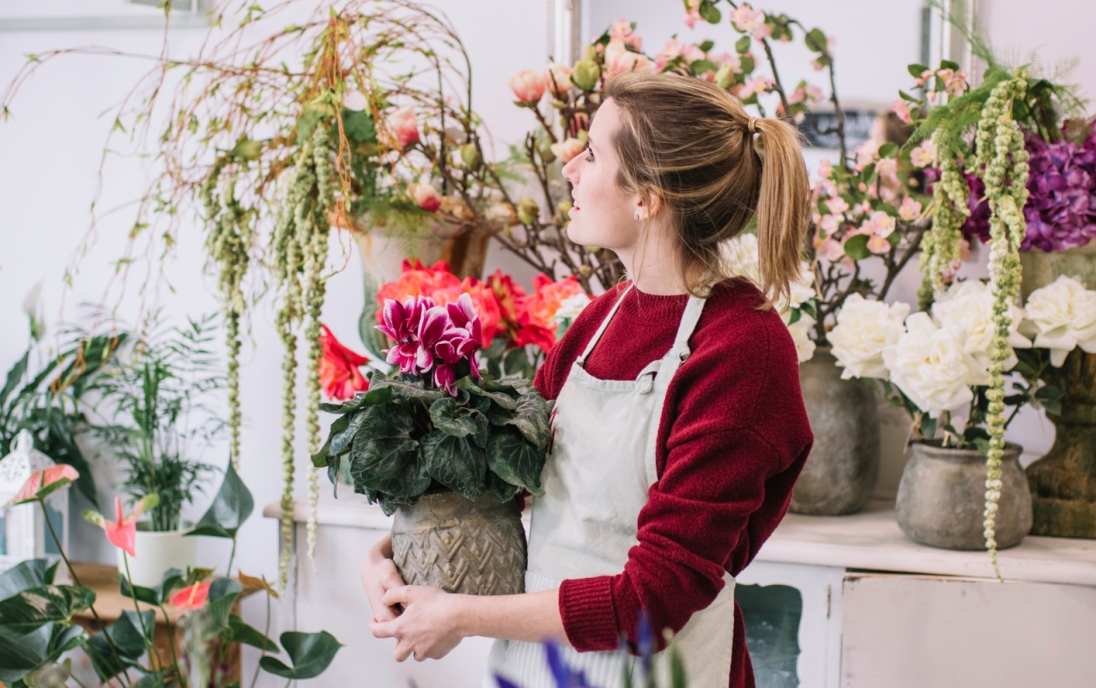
pixel 647 205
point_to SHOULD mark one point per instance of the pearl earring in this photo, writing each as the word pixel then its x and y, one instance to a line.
pixel 637 217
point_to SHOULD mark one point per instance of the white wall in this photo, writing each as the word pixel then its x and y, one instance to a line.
pixel 49 153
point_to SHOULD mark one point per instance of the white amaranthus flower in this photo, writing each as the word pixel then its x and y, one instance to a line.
pixel 931 367
pixel 1062 316
pixel 863 329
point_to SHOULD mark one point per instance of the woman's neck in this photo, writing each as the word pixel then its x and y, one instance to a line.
pixel 653 266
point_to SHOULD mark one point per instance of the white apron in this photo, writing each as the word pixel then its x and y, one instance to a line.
pixel 596 481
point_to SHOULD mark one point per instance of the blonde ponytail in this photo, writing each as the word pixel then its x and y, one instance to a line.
pixel 711 178
pixel 783 209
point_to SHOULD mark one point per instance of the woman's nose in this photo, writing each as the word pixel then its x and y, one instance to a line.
pixel 570 171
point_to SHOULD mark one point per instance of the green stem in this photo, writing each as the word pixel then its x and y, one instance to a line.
pixel 266 634
pixel 140 619
pixel 231 557
pixel 171 642
pixel 76 580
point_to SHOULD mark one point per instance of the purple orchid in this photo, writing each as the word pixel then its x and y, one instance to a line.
pixel 1061 207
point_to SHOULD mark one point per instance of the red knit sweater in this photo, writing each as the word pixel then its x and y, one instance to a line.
pixel 731 442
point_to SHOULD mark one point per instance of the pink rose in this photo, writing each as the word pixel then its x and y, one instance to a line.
pixel 405 126
pixel 568 149
pixel 558 77
pixel 528 86
pixel 426 197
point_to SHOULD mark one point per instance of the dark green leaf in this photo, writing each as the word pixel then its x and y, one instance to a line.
pixel 410 482
pixel 499 396
pixel 15 375
pixel 146 595
pixel 928 426
pixel 31 573
pixel 502 489
pixel 128 640
pixel 310 653
pixel 888 150
pixel 230 508
pixel 816 41
pixel 708 12
pixel 153 679
pixel 948 64
pixel 531 418
pixel 916 70
pixel 456 420
pixel 222 595
pixel 516 359
pixel 515 460
pixel 455 462
pixel 23 652
pixel 240 632
pixel 706 46
pixel 856 247
pixel 742 46
pixel 373 397
pixel 747 64
pixel 40 605
pixel 701 67
pixel 407 389
pixel 326 457
pixel 358 126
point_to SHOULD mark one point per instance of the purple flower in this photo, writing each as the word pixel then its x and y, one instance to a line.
pixel 1061 207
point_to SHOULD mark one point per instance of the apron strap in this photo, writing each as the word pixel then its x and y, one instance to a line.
pixel 686 327
pixel 601 329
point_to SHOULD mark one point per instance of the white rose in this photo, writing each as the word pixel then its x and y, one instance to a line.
pixel 1062 316
pixel 569 308
pixel 969 305
pixel 863 328
pixel 801 335
pixel 740 254
pixel 929 365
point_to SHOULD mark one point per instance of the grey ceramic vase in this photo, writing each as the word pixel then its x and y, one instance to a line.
pixel 459 545
pixel 841 471
pixel 942 498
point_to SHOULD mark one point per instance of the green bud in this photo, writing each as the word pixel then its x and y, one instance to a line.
pixel 563 208
pixel 528 211
pixel 585 74
pixel 470 156
pixel 724 77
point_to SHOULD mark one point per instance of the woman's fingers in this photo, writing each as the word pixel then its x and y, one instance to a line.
pixel 398 595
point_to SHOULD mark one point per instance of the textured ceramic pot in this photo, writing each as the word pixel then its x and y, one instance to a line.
pixel 459 545
pixel 158 552
pixel 1063 482
pixel 942 498
pixel 841 471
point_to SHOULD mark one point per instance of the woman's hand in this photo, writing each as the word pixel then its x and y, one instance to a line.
pixel 429 626
pixel 379 575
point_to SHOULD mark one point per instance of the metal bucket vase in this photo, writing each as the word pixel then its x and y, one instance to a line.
pixel 841 471
pixel 1063 482
pixel 942 498
pixel 459 545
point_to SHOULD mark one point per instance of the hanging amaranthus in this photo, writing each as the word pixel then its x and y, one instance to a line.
pixel 999 146
pixel 940 247
pixel 229 243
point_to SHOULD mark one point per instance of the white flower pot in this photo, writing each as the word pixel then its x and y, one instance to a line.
pixel 158 552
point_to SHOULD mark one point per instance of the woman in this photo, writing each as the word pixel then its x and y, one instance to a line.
pixel 679 426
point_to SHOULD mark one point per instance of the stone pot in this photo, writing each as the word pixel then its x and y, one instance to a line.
pixel 841 471
pixel 1063 482
pixel 459 545
pixel 942 498
pixel 157 552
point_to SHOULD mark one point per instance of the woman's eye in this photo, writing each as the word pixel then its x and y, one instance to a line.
pixel 589 155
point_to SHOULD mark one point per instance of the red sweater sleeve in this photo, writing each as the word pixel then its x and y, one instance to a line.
pixel 732 440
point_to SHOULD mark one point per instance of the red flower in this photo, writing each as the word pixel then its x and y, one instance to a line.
pixel 339 374
pixel 541 306
pixel 510 298
pixel 41 483
pixel 191 597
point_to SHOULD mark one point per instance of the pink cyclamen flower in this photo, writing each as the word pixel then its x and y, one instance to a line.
pixel 122 532
pixel 403 323
pixel 901 108
pixel 566 150
pixel 405 126
pixel 558 77
pixel 426 196
pixel 910 209
pixel 41 483
pixel 528 86
pixel 191 597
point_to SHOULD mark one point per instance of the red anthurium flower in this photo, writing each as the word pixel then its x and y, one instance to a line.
pixel 43 482
pixel 340 376
pixel 122 532
pixel 191 597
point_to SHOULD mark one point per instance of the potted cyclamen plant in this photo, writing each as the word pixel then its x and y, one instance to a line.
pixel 445 448
pixel 933 364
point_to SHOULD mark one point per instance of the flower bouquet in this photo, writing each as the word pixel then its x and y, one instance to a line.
pixel 444 447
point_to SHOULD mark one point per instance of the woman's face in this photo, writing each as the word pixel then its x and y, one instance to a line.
pixel 603 214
